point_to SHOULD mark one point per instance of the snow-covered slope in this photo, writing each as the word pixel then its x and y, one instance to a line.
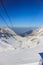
pixel 17 50
pixel 38 32
pixel 9 37
pixel 36 37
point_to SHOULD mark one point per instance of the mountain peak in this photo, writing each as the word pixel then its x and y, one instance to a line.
pixel 6 32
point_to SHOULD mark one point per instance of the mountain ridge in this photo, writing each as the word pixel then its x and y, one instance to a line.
pixel 16 41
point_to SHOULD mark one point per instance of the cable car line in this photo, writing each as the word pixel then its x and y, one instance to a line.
pixel 1 1
pixel 4 20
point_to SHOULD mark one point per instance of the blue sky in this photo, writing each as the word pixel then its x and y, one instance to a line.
pixel 22 12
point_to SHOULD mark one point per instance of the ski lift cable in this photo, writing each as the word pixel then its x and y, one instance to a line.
pixel 6 12
pixel 6 23
pixel 4 20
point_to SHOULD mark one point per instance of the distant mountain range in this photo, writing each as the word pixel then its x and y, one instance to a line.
pixel 22 30
pixel 26 33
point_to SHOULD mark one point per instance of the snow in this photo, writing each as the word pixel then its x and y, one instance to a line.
pixel 17 50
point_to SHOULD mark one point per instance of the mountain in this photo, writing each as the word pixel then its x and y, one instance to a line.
pixel 38 31
pixel 36 37
pixel 30 39
pixel 22 30
pixel 26 33
pixel 8 39
pixel 17 50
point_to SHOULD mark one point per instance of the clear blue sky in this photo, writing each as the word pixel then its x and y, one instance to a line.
pixel 22 12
